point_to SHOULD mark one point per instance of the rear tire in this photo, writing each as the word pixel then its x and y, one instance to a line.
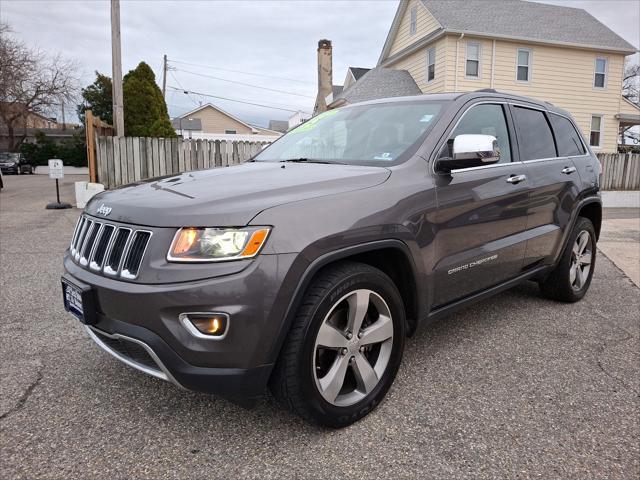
pixel 571 278
pixel 327 373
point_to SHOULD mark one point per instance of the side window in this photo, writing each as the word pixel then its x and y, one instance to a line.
pixel 523 67
pixel 431 64
pixel 474 53
pixel 600 73
pixel 485 119
pixel 595 135
pixel 534 134
pixel 413 25
pixel 568 139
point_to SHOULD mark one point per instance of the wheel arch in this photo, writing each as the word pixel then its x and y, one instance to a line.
pixel 380 254
pixel 592 210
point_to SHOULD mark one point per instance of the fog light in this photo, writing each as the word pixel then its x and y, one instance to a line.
pixel 209 325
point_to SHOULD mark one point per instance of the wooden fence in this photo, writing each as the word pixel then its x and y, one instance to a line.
pixel 129 159
pixel 122 160
pixel 620 171
pixel 94 128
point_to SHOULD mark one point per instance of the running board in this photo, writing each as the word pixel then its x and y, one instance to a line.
pixel 465 302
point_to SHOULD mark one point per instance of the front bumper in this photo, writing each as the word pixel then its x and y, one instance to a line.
pixel 139 324
pixel 11 169
pixel 145 351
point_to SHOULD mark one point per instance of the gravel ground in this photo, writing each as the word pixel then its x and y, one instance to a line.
pixel 514 387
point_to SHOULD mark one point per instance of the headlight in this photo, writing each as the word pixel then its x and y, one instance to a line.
pixel 192 244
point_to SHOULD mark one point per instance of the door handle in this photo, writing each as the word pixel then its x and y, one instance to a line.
pixel 568 170
pixel 516 178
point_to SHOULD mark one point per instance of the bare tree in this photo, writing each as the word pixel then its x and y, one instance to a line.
pixel 30 82
pixel 631 91
pixel 631 83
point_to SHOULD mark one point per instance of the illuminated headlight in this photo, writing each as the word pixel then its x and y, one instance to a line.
pixel 193 244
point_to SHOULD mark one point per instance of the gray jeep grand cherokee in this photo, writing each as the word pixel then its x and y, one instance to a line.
pixel 306 267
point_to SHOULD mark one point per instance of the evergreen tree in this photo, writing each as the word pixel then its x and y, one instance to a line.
pixel 97 97
pixel 145 112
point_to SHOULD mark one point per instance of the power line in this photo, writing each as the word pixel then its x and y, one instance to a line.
pixel 244 73
pixel 180 85
pixel 234 100
pixel 245 84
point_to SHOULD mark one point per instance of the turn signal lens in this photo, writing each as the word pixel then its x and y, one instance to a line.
pixel 192 244
pixel 185 240
pixel 255 242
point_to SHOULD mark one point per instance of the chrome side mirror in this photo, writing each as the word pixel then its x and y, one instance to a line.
pixel 470 150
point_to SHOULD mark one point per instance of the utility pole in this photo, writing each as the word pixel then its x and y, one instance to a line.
pixel 116 67
pixel 64 124
pixel 164 76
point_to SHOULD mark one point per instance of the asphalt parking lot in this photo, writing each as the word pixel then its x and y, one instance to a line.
pixel 514 387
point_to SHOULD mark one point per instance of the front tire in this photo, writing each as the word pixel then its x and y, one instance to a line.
pixel 344 347
pixel 571 278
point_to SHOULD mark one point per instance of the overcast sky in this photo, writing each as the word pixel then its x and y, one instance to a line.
pixel 269 38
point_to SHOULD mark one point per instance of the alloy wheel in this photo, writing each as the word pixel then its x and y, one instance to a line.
pixel 581 258
pixel 353 347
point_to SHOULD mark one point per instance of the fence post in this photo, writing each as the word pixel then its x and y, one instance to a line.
pixel 90 140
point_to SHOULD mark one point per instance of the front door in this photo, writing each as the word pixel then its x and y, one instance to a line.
pixel 481 213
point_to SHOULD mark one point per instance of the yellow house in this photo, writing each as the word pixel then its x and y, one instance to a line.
pixel 554 53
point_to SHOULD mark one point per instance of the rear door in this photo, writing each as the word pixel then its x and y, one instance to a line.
pixel 547 144
pixel 481 213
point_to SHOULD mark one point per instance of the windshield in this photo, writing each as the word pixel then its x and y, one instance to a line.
pixel 13 157
pixel 375 134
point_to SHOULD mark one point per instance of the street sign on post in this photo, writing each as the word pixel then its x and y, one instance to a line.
pixel 56 171
pixel 56 168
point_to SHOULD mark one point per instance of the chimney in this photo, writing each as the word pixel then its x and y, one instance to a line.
pixel 325 75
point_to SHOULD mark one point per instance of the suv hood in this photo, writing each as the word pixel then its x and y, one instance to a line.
pixel 231 196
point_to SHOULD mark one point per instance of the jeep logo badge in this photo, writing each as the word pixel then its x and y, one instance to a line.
pixel 104 210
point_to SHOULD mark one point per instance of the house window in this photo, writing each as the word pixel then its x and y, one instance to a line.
pixel 474 50
pixel 523 68
pixel 414 20
pixel 595 137
pixel 230 132
pixel 600 76
pixel 431 64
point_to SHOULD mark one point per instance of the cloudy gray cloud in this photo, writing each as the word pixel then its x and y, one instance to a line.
pixel 273 38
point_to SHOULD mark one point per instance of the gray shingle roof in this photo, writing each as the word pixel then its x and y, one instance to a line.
pixel 279 125
pixel 531 20
pixel 358 72
pixel 180 123
pixel 381 83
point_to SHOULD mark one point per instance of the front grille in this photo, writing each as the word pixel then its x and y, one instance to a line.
pixel 111 249
pixel 129 350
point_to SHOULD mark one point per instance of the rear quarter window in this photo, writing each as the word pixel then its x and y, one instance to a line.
pixel 535 139
pixel 568 139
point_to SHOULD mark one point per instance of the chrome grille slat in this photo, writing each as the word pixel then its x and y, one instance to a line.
pixel 120 243
pixel 89 243
pixel 114 250
pixel 94 244
pixel 75 232
pixel 102 245
pixel 137 249
pixel 82 239
pixel 81 226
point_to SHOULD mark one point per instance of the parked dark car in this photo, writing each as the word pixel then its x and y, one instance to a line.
pixel 307 267
pixel 15 163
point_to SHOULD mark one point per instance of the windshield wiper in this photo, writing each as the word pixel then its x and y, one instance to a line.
pixel 309 160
